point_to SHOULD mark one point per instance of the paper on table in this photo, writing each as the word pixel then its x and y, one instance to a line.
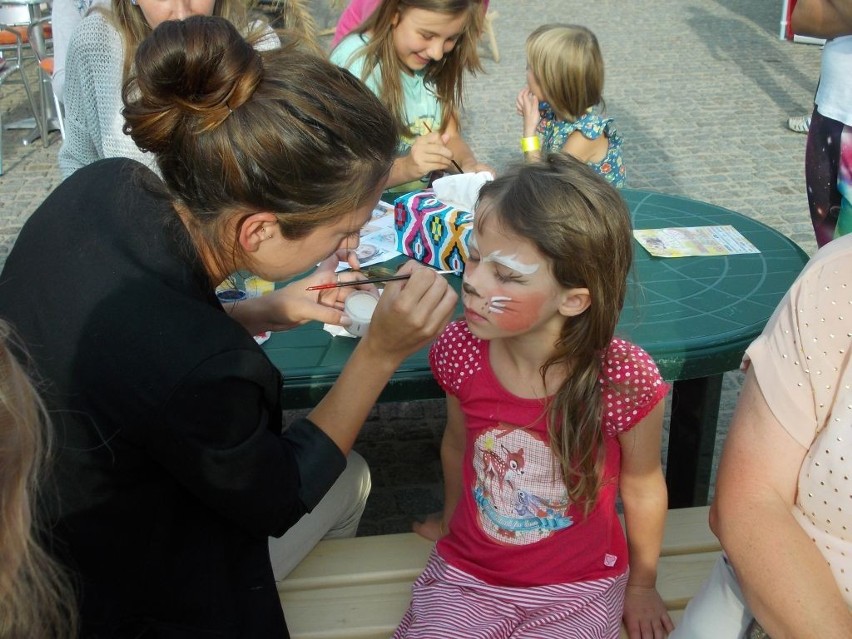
pixel 377 242
pixel 694 240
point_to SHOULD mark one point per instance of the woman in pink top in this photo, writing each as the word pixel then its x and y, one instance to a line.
pixel 783 505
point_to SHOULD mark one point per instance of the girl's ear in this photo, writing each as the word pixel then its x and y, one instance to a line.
pixel 575 301
pixel 395 19
pixel 254 229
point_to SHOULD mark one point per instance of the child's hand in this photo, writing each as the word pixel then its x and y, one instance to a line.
pixel 527 106
pixel 433 528
pixel 645 615
pixel 430 153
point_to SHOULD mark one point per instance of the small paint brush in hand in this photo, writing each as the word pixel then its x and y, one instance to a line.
pixel 374 280
pixel 455 164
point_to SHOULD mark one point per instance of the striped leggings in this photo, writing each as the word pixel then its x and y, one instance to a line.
pixel 447 602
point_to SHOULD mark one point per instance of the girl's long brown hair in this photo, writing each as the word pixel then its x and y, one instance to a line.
pixel 581 224
pixel 36 598
pixel 446 76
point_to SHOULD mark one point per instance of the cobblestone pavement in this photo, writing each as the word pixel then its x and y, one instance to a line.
pixel 700 90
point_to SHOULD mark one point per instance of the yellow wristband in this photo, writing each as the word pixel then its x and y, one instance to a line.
pixel 531 143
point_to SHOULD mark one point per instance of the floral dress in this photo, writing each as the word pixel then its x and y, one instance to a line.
pixel 553 134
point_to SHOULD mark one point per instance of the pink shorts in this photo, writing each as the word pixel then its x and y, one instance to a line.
pixel 447 602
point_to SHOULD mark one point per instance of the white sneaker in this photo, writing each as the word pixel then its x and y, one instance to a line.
pixel 799 123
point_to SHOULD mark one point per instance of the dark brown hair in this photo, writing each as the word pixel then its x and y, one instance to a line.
pixel 580 223
pixel 237 131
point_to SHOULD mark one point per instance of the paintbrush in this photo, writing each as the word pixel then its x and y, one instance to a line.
pixel 455 164
pixel 374 280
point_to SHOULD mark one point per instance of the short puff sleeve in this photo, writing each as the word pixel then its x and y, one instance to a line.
pixel 632 386
pixel 455 357
pixel 806 342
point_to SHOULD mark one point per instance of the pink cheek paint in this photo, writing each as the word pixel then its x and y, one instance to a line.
pixel 520 315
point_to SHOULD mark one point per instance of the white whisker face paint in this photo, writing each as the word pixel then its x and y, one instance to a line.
pixel 498 303
pixel 512 262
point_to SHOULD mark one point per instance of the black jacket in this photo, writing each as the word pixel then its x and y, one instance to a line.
pixel 170 468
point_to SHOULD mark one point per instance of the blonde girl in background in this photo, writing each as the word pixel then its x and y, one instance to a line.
pixel 549 419
pixel 414 54
pixel 36 599
pixel 565 79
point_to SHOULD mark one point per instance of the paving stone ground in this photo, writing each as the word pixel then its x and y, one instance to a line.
pixel 700 90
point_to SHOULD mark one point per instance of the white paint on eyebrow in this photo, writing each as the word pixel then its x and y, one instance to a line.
pixel 512 262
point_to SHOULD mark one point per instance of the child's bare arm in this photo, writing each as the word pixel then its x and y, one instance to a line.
pixel 452 457
pixel 643 494
pixel 527 107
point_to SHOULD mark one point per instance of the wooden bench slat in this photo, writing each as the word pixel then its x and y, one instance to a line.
pixel 687 531
pixel 680 576
pixel 333 613
pixel 381 558
pixel 372 611
pixel 360 588
pixel 402 556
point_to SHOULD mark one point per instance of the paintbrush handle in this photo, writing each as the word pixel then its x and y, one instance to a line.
pixel 373 280
pixel 455 164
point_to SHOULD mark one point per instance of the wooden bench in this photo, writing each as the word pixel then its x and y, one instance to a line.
pixel 359 588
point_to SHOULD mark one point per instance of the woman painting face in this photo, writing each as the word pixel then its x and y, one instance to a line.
pixel 278 258
pixel 157 11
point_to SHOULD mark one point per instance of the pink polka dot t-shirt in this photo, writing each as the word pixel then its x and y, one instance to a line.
pixel 514 525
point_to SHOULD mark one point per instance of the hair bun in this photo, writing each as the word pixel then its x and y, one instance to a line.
pixel 190 75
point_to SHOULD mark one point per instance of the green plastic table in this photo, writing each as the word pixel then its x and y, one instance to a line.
pixel 694 315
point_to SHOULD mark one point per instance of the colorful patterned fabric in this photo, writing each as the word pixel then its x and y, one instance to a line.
pixel 828 173
pixel 553 134
pixel 432 232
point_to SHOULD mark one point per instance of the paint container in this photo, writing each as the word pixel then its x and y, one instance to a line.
pixel 230 295
pixel 359 306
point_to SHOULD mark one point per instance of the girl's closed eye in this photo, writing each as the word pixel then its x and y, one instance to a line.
pixel 504 275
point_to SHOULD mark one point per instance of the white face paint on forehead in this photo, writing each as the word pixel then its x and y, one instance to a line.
pixel 509 261
pixel 512 262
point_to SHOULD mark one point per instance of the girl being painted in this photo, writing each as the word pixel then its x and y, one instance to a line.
pixel 549 418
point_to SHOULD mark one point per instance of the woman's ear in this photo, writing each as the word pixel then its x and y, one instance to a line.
pixel 575 301
pixel 255 229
